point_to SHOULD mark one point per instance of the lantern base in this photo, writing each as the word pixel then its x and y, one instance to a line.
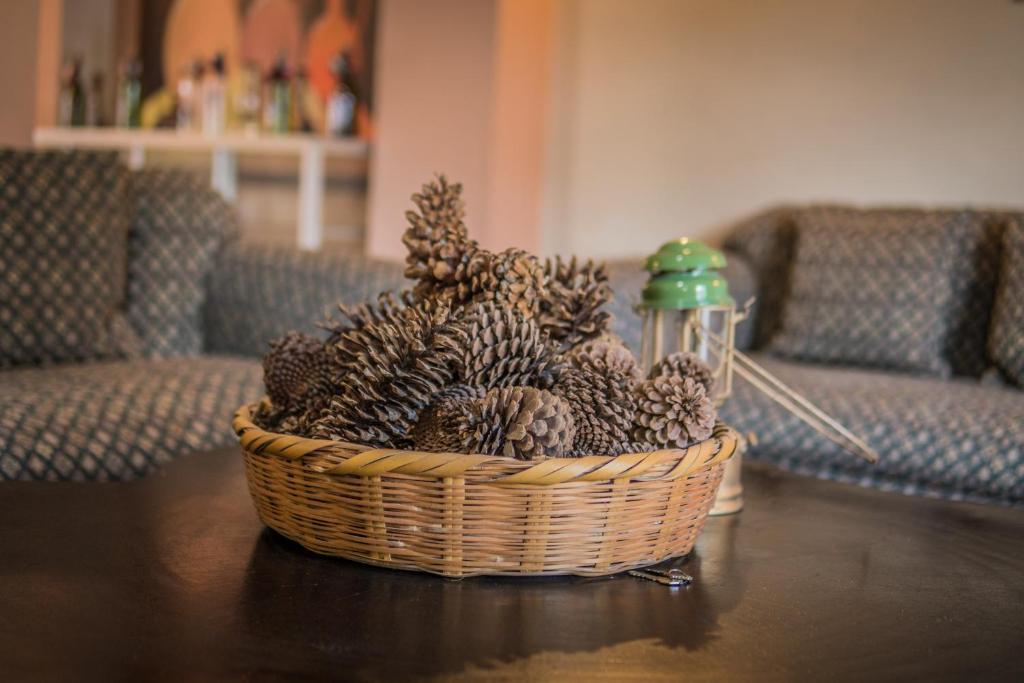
pixel 729 500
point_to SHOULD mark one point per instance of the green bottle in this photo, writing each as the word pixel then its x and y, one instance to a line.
pixel 129 95
pixel 277 103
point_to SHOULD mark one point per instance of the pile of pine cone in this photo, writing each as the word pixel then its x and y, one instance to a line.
pixel 491 353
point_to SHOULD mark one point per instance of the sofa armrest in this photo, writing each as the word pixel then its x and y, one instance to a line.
pixel 257 293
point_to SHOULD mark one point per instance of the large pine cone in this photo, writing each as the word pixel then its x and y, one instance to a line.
pixel 685 364
pixel 387 374
pixel 607 354
pixel 297 372
pixel 603 407
pixel 505 349
pixel 437 238
pixel 571 310
pixel 441 427
pixel 673 412
pixel 512 278
pixel 521 422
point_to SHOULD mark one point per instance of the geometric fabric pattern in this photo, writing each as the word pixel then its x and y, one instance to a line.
pixel 258 293
pixel 957 439
pixel 118 420
pixel 767 241
pixel 1007 340
pixel 63 250
pixel 180 225
pixel 872 289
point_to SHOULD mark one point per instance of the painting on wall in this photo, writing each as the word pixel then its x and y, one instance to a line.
pixel 303 41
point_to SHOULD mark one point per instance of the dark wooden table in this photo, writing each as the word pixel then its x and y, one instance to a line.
pixel 174 578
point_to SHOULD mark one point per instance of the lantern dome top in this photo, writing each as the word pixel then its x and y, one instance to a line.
pixel 686 290
pixel 684 254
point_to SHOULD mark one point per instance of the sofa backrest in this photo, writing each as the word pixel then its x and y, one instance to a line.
pixel 178 228
pixel 768 241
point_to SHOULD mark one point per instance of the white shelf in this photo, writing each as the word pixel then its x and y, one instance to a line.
pixel 168 139
pixel 312 151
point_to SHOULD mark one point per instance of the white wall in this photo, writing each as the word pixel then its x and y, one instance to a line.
pixel 676 117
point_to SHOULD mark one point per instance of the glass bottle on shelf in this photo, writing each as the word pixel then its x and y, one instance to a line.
pixel 129 95
pixel 214 114
pixel 188 97
pixel 277 101
pixel 247 99
pixel 94 114
pixel 307 111
pixel 71 100
pixel 343 100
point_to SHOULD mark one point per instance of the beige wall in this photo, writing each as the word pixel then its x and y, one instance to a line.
pixel 675 117
pixel 432 89
pixel 461 88
pixel 18 33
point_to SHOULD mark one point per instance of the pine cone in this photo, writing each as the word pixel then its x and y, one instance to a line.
pixel 387 374
pixel 441 425
pixel 607 354
pixel 505 349
pixel 296 372
pixel 521 422
pixel 571 310
pixel 684 364
pixel 387 309
pixel 436 238
pixel 603 407
pixel 512 278
pixel 673 412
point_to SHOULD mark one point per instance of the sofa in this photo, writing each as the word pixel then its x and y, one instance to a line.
pixel 111 392
pixel 199 306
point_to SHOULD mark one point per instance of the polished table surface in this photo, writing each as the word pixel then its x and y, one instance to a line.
pixel 174 578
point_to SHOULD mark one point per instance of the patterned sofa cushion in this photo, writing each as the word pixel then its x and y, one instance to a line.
pixel 955 439
pixel 1007 339
pixel 872 288
pixel 768 241
pixel 118 420
pixel 63 250
pixel 180 225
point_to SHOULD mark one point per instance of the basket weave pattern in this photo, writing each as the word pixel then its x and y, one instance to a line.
pixel 466 515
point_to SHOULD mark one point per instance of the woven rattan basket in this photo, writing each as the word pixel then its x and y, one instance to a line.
pixel 466 515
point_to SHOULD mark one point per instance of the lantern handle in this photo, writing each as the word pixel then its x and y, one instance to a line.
pixel 789 399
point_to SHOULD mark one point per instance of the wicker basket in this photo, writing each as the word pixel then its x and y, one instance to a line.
pixel 466 515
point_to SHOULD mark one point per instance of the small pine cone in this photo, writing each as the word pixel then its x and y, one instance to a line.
pixel 505 349
pixel 512 278
pixel 296 372
pixel 603 406
pixel 684 364
pixel 607 355
pixel 571 309
pixel 436 238
pixel 441 425
pixel 522 423
pixel 387 309
pixel 673 412
pixel 387 373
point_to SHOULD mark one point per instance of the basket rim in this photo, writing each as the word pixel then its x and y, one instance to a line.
pixel 367 461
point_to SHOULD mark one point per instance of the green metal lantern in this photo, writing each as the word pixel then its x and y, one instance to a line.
pixel 686 306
